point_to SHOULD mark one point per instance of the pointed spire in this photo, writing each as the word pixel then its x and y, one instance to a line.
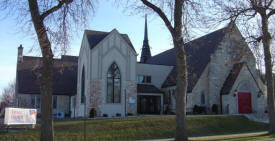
pixel 145 53
pixel 145 41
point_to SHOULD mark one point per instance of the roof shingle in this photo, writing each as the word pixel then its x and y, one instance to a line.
pixel 95 37
pixel 64 78
pixel 146 88
pixel 198 56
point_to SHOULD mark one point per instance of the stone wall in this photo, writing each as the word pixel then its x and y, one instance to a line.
pixel 95 96
pixel 231 50
pixel 244 83
pixel 131 93
pixel 172 105
pixel 83 62
pixel 112 49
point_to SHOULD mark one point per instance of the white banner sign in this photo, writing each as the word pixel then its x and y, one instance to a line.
pixel 15 116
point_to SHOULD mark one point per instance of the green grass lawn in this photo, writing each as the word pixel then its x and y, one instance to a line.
pixel 239 138
pixel 141 128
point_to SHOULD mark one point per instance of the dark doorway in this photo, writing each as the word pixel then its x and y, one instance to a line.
pixel 149 104
pixel 244 103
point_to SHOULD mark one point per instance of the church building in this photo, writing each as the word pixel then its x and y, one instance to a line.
pixel 107 79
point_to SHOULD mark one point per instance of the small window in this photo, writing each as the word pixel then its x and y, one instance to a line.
pixel 140 79
pixel 143 79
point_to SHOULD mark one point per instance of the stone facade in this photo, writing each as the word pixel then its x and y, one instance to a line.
pixel 95 99
pixel 245 83
pixel 231 50
pixel 131 98
pixel 97 60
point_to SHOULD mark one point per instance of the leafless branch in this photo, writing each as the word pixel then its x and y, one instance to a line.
pixel 161 14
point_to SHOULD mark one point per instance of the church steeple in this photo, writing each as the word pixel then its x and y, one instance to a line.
pixel 145 53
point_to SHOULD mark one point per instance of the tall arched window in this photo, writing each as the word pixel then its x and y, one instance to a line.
pixel 113 84
pixel 82 85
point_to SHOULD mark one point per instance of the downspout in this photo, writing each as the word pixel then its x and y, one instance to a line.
pixel 74 104
pixel 221 103
pixel 70 111
pixel 125 103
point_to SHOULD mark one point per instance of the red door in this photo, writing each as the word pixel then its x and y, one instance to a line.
pixel 244 102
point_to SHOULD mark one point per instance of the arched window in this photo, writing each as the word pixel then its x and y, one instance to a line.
pixel 82 85
pixel 113 84
pixel 202 98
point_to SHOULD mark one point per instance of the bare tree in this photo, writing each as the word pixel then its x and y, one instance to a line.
pixel 52 22
pixel 179 16
pixel 256 19
pixel 8 97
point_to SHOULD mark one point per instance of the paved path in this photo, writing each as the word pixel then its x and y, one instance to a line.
pixel 216 137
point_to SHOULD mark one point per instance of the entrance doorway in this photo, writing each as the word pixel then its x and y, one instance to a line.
pixel 149 104
pixel 244 103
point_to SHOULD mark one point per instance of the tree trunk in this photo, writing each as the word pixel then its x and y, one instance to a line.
pixel 47 74
pixel 268 74
pixel 181 91
pixel 182 77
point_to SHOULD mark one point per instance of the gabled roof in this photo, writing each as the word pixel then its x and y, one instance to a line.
pixel 147 88
pixel 231 78
pixel 64 77
pixel 95 37
pixel 198 56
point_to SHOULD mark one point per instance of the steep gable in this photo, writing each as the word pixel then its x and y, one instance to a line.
pixel 231 78
pixel 95 37
pixel 198 56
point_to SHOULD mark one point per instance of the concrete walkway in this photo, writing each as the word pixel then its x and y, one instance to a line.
pixel 215 137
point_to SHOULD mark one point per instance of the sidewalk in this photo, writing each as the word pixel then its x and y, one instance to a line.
pixel 214 137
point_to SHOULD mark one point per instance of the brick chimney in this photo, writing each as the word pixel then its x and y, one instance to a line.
pixel 20 54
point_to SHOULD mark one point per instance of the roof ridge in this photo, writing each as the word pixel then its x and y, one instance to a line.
pixel 88 30
pixel 195 39
pixel 218 30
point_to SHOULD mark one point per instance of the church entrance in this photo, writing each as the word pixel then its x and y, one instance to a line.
pixel 244 103
pixel 148 104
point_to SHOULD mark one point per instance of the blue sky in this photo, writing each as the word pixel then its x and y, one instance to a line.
pixel 107 17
